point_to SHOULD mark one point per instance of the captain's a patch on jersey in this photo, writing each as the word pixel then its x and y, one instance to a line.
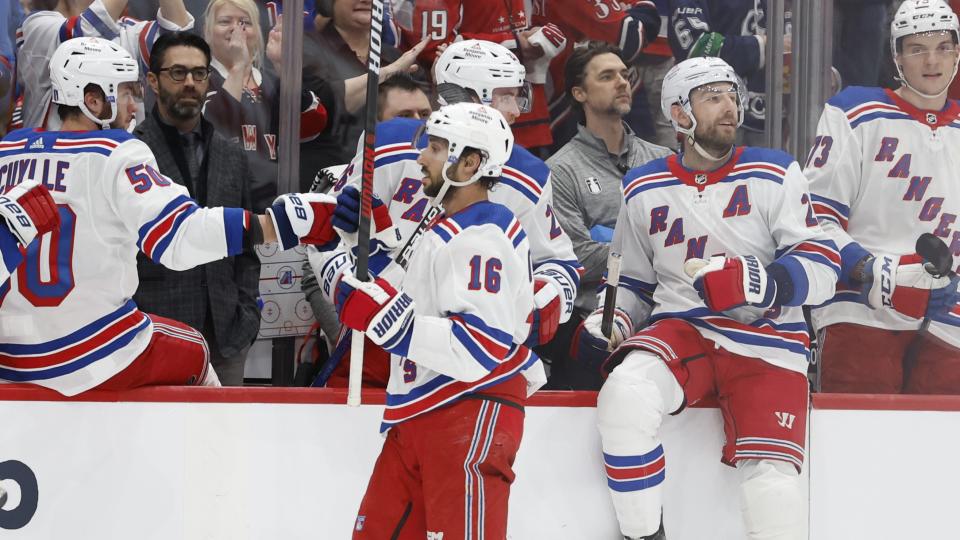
pixel 593 185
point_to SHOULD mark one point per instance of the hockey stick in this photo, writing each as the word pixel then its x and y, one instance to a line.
pixel 610 293
pixel 366 190
pixel 939 262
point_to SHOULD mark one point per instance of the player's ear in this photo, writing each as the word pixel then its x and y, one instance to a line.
pixel 680 116
pixel 153 82
pixel 471 163
pixel 94 100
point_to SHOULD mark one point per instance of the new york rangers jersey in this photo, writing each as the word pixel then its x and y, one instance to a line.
pixel 67 320
pixel 882 172
pixel 471 282
pixel 755 204
pixel 43 31
pixel 524 188
pixel 10 254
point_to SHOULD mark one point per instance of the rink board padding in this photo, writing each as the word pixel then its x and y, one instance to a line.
pixel 292 463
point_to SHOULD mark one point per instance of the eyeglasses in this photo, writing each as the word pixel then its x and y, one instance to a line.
pixel 179 73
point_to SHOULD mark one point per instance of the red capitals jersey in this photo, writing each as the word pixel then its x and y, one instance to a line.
pixel 444 20
pixel 603 20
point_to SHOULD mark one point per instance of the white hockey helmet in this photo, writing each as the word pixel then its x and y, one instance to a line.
pixel 90 60
pixel 482 66
pixel 692 73
pixel 470 125
pixel 920 17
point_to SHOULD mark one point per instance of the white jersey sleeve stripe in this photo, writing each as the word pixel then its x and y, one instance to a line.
pixel 156 235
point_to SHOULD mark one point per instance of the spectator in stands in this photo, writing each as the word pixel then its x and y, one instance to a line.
pixel 10 18
pixel 338 53
pixel 859 47
pixel 218 298
pixel 401 96
pixel 44 30
pixel 587 173
pixel 243 103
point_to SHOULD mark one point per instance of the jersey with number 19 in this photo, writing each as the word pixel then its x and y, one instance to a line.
pixel 67 320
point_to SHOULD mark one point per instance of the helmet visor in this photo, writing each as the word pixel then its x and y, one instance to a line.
pixel 519 97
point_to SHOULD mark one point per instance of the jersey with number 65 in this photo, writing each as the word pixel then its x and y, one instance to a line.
pixel 67 320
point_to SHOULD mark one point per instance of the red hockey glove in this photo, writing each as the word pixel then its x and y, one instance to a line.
pixel 727 283
pixel 375 307
pixel 304 218
pixel 545 317
pixel 903 284
pixel 29 211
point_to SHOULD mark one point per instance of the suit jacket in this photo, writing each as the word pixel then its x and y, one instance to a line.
pixel 227 288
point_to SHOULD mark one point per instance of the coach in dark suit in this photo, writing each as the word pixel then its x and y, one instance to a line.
pixel 219 298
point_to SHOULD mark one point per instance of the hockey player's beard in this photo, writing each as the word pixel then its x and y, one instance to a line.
pixel 714 141
pixel 432 188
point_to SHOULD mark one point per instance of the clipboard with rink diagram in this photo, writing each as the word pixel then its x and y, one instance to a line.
pixel 284 311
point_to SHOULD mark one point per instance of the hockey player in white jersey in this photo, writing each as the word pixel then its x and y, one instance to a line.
pixel 43 31
pixel 720 249
pixel 454 324
pixel 882 172
pixel 67 321
pixel 27 211
pixel 485 72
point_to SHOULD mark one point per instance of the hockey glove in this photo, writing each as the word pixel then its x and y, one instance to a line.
pixel 590 347
pixel 29 211
pixel 545 317
pixel 346 219
pixel 708 44
pixel 903 284
pixel 727 283
pixel 375 307
pixel 551 39
pixel 304 218
pixel 944 300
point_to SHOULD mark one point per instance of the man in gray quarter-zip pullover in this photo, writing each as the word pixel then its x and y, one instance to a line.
pixel 587 172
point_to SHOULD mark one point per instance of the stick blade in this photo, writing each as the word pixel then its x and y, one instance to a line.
pixel 936 253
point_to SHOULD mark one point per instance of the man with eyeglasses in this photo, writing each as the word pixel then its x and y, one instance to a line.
pixel 882 172
pixel 219 298
pixel 67 321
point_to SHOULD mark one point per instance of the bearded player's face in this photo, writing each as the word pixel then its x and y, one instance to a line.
pixel 432 160
pixel 717 113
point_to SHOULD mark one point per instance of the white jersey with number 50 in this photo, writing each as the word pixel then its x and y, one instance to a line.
pixel 67 320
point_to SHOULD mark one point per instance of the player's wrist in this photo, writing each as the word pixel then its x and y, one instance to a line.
pixel 780 285
pixel 855 265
